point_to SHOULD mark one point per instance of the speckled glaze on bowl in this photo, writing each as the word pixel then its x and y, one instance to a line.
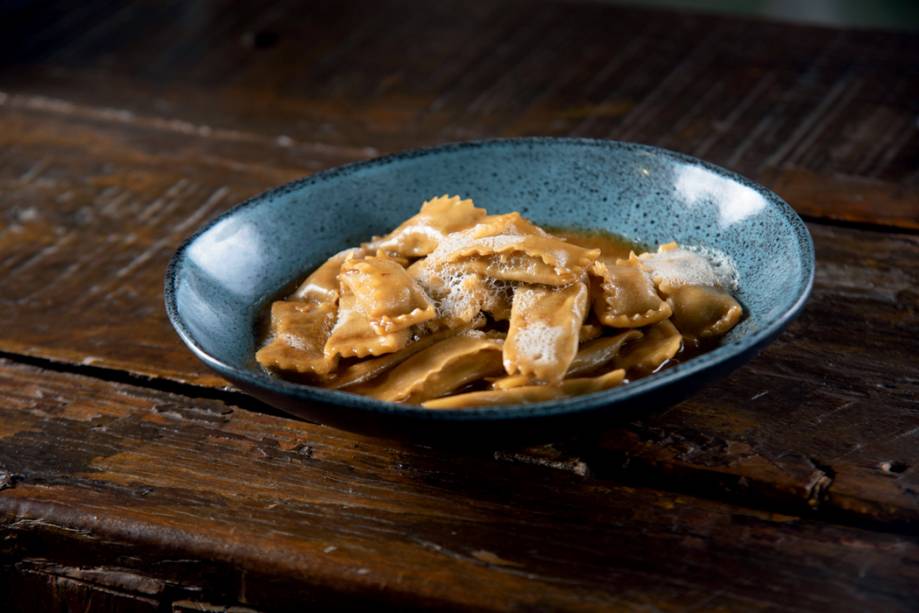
pixel 221 278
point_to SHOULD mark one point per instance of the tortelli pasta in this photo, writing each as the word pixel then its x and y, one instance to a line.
pixel 457 308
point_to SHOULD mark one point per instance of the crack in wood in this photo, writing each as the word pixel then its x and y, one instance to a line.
pixel 228 395
pixel 106 112
pixel 715 464
pixel 547 457
pixel 818 490
pixel 8 479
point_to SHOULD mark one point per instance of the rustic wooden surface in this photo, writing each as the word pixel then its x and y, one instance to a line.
pixel 253 508
pixel 789 106
pixel 130 477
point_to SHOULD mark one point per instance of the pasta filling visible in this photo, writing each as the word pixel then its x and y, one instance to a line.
pixel 456 308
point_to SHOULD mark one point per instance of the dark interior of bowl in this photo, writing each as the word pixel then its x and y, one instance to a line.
pixel 221 279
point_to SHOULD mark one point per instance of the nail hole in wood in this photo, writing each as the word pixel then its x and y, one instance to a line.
pixel 894 466
pixel 263 39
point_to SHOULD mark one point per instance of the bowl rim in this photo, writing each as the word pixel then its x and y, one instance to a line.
pixel 720 355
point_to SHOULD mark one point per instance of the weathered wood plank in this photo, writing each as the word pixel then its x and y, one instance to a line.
pixel 826 117
pixel 123 127
pixel 159 497
pixel 112 196
pixel 97 204
pixel 824 415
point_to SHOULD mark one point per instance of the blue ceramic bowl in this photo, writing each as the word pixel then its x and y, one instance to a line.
pixel 220 280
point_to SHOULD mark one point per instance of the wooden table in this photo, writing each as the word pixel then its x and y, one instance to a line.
pixel 133 478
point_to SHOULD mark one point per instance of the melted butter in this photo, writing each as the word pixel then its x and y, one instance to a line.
pixel 609 244
pixel 484 297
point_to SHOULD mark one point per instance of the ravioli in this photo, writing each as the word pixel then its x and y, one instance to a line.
pixel 600 352
pixel 419 235
pixel 299 333
pixel 457 308
pixel 510 381
pixel 673 266
pixel 461 295
pixel 507 224
pixel 386 294
pixel 701 312
pixel 510 248
pixel 545 324
pixel 322 284
pixel 363 371
pixel 624 296
pixel 529 393
pixel 439 369
pixel 660 344
pixel 591 357
pixel 589 332
pixel 355 336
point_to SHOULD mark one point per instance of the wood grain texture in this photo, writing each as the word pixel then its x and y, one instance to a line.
pixel 130 478
pixel 826 117
pixel 155 497
pixel 89 194
pixel 825 412
pixel 93 223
